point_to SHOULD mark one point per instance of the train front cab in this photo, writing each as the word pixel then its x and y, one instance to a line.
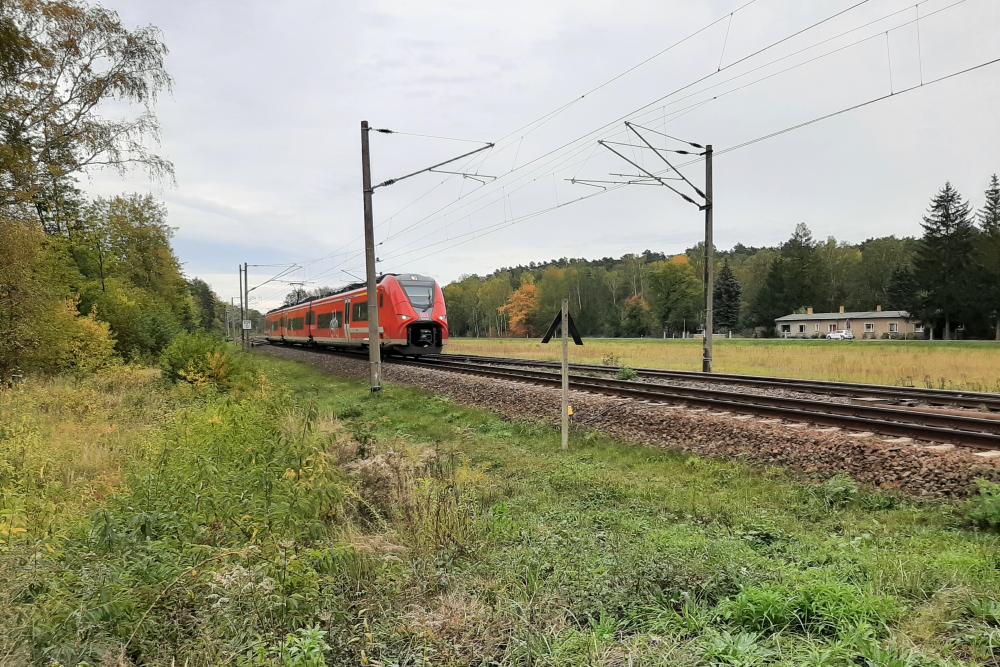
pixel 419 305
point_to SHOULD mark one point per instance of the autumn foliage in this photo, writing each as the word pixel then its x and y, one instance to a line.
pixel 521 308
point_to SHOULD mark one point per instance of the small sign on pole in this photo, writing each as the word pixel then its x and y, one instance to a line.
pixel 247 325
pixel 567 330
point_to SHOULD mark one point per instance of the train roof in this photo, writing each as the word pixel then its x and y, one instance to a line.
pixel 350 288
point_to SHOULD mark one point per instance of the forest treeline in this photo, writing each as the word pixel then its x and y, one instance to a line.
pixel 949 278
pixel 83 280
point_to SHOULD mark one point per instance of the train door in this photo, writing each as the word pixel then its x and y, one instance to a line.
pixel 347 321
pixel 337 323
pixel 359 321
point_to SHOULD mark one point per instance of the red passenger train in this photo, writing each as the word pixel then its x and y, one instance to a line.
pixel 411 315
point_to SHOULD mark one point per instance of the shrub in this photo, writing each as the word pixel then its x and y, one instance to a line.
pixel 88 346
pixel 203 360
pixel 626 373
pixel 983 509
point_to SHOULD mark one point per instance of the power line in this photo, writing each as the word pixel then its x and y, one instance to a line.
pixel 682 88
pixel 490 229
pixel 551 114
pixel 741 87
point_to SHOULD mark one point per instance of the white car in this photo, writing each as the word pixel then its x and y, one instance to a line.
pixel 843 334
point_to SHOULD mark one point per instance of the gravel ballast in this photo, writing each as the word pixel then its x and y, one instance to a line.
pixel 816 452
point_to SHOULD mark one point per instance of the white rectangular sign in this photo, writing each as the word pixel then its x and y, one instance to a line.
pixel 247 325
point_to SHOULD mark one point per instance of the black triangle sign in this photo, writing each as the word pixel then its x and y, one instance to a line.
pixel 574 334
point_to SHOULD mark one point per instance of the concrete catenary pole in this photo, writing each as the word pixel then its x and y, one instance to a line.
pixel 565 373
pixel 374 349
pixel 706 364
pixel 246 301
pixel 240 325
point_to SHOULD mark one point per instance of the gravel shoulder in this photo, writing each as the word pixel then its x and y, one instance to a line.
pixel 815 452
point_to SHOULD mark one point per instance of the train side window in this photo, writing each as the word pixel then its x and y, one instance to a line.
pixel 323 321
pixel 360 313
pixel 309 317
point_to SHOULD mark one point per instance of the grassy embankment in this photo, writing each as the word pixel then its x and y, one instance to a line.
pixel 969 365
pixel 145 523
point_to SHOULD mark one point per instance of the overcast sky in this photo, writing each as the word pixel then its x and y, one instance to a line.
pixel 263 126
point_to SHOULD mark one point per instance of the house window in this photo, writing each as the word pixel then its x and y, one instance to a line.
pixel 893 327
pixel 786 328
pixel 832 327
pixel 869 327
pixel 918 328
pixel 816 327
pixel 802 328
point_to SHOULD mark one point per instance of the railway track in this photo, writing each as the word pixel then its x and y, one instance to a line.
pixel 905 395
pixel 965 429
pixel 962 427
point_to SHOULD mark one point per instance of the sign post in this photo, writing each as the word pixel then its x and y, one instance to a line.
pixel 564 321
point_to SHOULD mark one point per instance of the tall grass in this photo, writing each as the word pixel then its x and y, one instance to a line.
pixel 300 522
pixel 968 365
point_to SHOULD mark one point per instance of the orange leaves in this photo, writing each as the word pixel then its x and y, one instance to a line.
pixel 520 308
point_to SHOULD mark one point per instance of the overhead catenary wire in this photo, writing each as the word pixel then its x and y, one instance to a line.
pixel 490 229
pixel 701 79
pixel 480 195
pixel 527 128
pixel 762 66
pixel 748 84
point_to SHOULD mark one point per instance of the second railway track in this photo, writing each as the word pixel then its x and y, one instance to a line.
pixel 911 395
pixel 967 429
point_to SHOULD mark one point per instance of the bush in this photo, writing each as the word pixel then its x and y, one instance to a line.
pixel 203 360
pixel 983 509
pixel 88 345
pixel 142 323
pixel 626 373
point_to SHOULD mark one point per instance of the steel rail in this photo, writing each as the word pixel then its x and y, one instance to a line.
pixel 962 430
pixel 944 397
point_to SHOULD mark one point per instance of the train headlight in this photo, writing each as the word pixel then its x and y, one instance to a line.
pixel 404 317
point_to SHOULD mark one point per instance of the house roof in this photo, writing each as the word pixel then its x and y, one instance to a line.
pixel 859 315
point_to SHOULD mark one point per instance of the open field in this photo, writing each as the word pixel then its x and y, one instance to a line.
pixel 302 523
pixel 970 365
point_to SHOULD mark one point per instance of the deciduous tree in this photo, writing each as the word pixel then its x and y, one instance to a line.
pixel 61 61
pixel 521 309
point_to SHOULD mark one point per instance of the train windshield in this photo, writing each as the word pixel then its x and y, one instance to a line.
pixel 421 295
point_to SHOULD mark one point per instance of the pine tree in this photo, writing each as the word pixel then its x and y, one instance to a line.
pixel 727 299
pixel 989 214
pixel 944 260
pixel 902 291
pixel 988 253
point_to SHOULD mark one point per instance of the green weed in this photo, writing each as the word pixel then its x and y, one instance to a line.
pixel 983 509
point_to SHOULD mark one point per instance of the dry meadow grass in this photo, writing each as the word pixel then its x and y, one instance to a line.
pixel 969 365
